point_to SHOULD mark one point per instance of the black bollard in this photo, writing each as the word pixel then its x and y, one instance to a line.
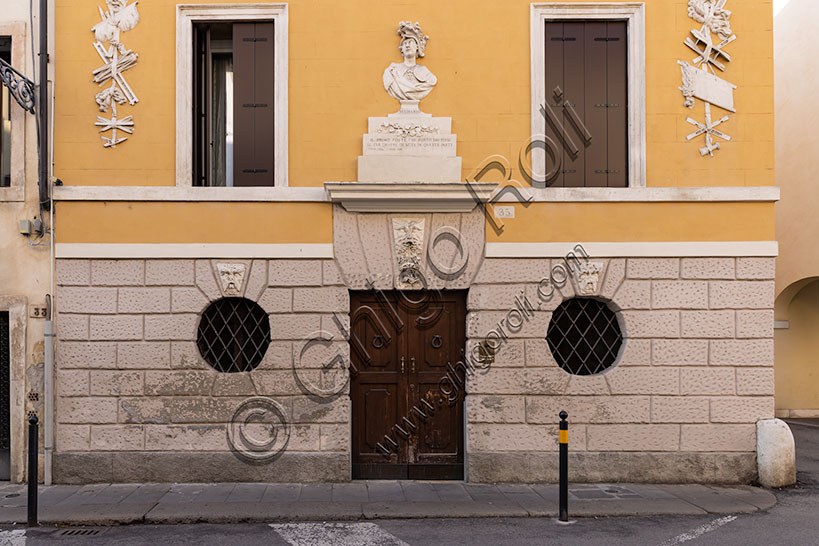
pixel 564 466
pixel 32 470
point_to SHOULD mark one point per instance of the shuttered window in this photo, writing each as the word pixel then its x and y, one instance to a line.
pixel 586 87
pixel 5 119
pixel 233 104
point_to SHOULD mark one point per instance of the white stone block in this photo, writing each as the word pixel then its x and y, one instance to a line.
pixel 708 268
pixel 775 453
pixel 756 268
pixel 679 295
pixel 384 168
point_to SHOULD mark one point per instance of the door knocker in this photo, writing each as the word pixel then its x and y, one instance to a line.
pixel 437 341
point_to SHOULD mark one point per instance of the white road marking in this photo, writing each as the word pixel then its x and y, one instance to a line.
pixel 699 531
pixel 13 538
pixel 336 534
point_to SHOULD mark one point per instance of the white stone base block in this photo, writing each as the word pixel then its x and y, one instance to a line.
pixel 387 168
pixel 776 454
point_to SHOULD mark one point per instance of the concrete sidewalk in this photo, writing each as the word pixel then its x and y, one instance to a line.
pixel 114 504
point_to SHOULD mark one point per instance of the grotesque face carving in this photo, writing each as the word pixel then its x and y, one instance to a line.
pixel 232 276
pixel 588 277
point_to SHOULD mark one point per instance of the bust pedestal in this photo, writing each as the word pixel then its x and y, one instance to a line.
pixel 409 146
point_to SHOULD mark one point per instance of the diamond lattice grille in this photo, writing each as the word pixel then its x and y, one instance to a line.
pixel 233 335
pixel 584 336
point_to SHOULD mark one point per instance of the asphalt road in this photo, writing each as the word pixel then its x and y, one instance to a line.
pixel 794 521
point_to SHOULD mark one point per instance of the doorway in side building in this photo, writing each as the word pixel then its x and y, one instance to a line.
pixel 5 397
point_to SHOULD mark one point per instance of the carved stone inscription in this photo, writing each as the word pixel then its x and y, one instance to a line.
pixel 443 145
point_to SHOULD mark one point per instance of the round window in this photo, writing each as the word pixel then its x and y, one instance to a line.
pixel 233 335
pixel 584 336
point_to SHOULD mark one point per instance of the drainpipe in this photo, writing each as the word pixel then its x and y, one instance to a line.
pixel 48 395
pixel 45 187
pixel 43 106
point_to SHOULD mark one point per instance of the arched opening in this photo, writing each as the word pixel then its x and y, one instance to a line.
pixel 796 341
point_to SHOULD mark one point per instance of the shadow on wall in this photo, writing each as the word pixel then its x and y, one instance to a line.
pixel 796 346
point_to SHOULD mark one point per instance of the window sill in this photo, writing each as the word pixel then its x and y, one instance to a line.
pixel 651 194
pixel 12 194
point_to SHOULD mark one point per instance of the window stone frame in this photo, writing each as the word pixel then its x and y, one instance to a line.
pixel 186 16
pixel 16 30
pixel 633 13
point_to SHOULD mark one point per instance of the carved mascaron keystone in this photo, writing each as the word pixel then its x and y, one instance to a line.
pixel 588 277
pixel 232 276
pixel 408 235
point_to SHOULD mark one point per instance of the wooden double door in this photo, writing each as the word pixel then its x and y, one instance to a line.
pixel 407 389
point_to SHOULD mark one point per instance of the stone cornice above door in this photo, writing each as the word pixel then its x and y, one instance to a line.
pixel 409 196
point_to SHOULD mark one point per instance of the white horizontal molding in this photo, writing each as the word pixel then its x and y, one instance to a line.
pixel 649 194
pixel 193 250
pixel 424 192
pixel 675 249
pixel 409 196
pixel 187 193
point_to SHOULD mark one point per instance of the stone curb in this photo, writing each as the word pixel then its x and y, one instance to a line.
pixel 659 500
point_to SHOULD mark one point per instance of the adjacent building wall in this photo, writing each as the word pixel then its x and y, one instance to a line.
pixel 797 226
pixel 24 269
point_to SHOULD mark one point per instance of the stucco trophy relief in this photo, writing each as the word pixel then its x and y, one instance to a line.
pixel 408 235
pixel 408 81
pixel 699 78
pixel 119 18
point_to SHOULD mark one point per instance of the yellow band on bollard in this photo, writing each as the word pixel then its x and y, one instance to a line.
pixel 564 436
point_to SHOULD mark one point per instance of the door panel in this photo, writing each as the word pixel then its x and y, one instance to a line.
pixel 379 388
pixel 403 348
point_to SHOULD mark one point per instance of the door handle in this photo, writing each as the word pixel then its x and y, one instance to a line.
pixel 402 364
pixel 412 364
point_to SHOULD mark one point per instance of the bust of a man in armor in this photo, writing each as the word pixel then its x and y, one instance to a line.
pixel 407 80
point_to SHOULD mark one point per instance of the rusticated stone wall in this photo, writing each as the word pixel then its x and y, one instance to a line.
pixel 694 376
pixel 136 402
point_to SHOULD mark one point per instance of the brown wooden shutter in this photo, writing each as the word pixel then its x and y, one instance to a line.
pixel 200 147
pixel 554 78
pixel 575 85
pixel 617 97
pixel 253 144
pixel 595 101
pixel 588 61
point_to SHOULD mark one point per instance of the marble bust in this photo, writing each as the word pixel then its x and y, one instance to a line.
pixel 407 80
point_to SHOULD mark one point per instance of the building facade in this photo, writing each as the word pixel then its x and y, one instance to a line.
pixel 272 265
pixel 25 239
pixel 797 320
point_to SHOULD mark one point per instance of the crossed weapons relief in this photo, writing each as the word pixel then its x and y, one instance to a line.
pixel 119 17
pixel 699 77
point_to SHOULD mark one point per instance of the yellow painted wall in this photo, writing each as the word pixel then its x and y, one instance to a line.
pixel 797 354
pixel 203 222
pixel 638 222
pixel 479 50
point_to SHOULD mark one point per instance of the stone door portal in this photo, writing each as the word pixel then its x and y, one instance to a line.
pixel 406 388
